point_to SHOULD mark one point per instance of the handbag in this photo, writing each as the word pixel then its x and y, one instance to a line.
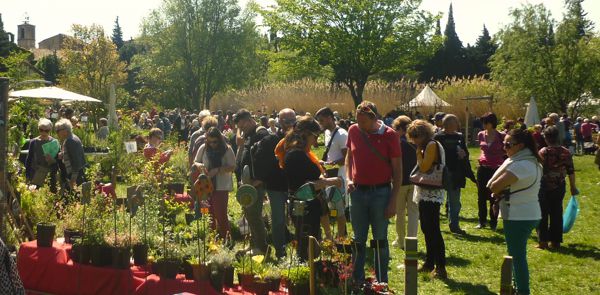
pixel 570 214
pixel 438 177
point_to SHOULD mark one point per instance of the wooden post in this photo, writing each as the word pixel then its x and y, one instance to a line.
pixel 3 144
pixel 506 276
pixel 313 245
pixel 410 266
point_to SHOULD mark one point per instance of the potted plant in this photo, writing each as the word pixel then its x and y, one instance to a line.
pixel 201 269
pixel 297 278
pixel 272 275
pixel 45 234
pixel 222 266
pixel 120 250
pixel 246 268
pixel 72 222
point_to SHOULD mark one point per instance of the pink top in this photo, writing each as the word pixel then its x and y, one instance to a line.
pixel 492 155
pixel 587 129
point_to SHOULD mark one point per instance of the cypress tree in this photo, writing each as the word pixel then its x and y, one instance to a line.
pixel 5 44
pixel 117 36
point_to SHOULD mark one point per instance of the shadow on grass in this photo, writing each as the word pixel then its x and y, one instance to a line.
pixel 457 261
pixel 579 251
pixel 475 238
pixel 468 288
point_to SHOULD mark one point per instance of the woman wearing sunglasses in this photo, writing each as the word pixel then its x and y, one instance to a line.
pixel 217 160
pixel 302 166
pixel 39 163
pixel 516 185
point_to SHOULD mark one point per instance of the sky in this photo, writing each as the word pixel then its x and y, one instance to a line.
pixel 52 17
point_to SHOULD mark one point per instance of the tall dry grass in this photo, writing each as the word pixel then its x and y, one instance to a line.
pixel 310 95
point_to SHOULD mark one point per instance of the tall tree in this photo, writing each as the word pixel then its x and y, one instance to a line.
pixel 5 44
pixel 197 48
pixel 556 70
pixel 482 52
pixel 91 62
pixel 117 36
pixel 51 67
pixel 356 39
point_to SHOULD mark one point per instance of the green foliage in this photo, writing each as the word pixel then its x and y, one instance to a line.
pixel 117 36
pixel 91 63
pixel 356 39
pixel 51 66
pixel 17 65
pixel 5 44
pixel 297 275
pixel 555 69
pixel 196 49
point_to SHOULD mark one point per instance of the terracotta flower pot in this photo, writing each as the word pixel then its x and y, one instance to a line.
pixel 246 281
pixel 201 272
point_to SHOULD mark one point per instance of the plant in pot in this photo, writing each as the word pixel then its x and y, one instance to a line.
pixel 201 268
pixel 246 268
pixel 139 249
pixel 272 275
pixel 72 222
pixel 120 250
pixel 168 263
pixel 297 278
pixel 222 266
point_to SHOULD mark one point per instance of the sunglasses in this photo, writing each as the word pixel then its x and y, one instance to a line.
pixel 212 142
pixel 365 110
pixel 44 130
pixel 509 144
pixel 316 134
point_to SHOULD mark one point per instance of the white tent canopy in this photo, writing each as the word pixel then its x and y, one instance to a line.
pixel 427 98
pixel 531 116
pixel 51 93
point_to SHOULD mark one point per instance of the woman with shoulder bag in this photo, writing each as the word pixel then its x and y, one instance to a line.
pixel 429 153
pixel 515 185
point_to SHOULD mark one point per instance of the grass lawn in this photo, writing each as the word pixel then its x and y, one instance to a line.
pixel 474 259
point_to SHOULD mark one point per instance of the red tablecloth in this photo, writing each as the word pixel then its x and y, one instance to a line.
pixel 50 270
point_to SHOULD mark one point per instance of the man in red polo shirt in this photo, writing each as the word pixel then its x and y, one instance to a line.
pixel 374 173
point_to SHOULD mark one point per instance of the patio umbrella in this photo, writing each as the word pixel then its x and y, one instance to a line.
pixel 51 92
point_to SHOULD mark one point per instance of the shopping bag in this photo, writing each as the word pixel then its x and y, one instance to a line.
pixel 570 214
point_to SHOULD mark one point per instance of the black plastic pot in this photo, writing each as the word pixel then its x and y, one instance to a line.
pixel 140 254
pixel 298 289
pixel 168 268
pixel 217 279
pixel 45 234
pixel 228 276
pixel 70 235
pixel 261 287
pixel 121 257
pixel 274 284
pixel 81 253
pixel 101 255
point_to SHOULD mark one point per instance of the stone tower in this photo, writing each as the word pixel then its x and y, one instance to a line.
pixel 26 35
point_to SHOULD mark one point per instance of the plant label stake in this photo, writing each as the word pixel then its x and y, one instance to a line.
pixel 506 276
pixel 312 244
pixel 410 266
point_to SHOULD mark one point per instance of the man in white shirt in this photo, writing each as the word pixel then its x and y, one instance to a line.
pixel 335 155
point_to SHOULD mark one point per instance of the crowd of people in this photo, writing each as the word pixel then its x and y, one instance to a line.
pixel 375 162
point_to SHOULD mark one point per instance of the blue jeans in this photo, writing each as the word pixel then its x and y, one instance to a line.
pixel 367 209
pixel 278 230
pixel 454 207
pixel 516 233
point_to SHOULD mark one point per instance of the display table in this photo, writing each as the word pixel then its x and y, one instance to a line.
pixel 51 271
